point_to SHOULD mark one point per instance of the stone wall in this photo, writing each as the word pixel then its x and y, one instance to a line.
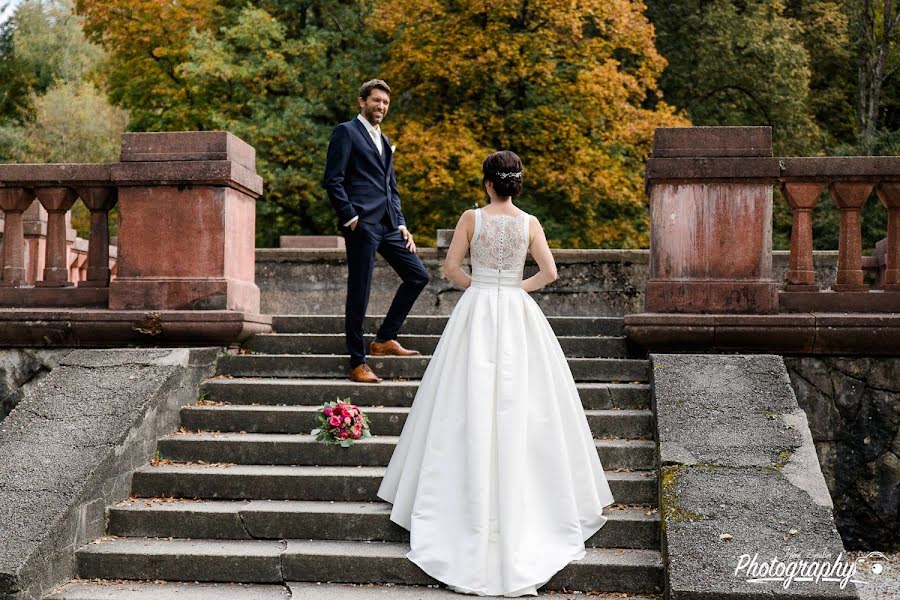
pixel 591 282
pixel 853 407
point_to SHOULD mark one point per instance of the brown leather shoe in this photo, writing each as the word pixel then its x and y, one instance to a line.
pixel 390 348
pixel 363 374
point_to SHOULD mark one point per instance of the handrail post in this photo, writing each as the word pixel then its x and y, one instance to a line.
pixel 850 198
pixel 14 201
pixel 57 201
pixel 802 198
pixel 98 200
pixel 889 195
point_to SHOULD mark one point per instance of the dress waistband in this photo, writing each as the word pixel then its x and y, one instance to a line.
pixel 483 277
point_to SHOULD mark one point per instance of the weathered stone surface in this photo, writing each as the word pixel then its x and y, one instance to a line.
pixel 711 249
pixel 737 458
pixel 67 451
pixel 36 328
pixel 705 412
pixel 854 412
pixel 675 142
pixel 591 282
pixel 757 508
pixel 154 146
pixel 20 367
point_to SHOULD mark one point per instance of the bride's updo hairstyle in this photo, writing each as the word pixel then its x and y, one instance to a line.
pixel 504 170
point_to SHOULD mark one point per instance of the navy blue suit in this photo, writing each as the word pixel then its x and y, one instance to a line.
pixel 361 182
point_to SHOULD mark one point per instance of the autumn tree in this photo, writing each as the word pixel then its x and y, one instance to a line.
pixel 147 40
pixel 569 86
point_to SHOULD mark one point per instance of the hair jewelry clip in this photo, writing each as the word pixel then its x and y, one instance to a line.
pixel 516 174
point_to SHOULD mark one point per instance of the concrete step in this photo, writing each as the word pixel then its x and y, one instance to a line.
pixel 383 420
pixel 594 396
pixel 275 561
pixel 112 589
pixel 434 324
pixel 351 591
pixel 332 343
pixel 347 484
pixel 627 527
pixel 117 589
pixel 375 451
pixel 406 367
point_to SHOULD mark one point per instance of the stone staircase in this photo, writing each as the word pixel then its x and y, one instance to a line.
pixel 243 496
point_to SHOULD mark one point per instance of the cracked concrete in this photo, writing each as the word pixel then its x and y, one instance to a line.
pixel 737 458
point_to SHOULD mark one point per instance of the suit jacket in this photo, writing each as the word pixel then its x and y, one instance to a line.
pixel 358 180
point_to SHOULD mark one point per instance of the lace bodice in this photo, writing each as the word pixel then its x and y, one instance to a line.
pixel 499 241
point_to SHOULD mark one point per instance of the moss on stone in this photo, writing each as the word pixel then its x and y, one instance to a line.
pixel 670 508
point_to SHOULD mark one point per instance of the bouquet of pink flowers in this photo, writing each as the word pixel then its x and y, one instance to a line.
pixel 341 422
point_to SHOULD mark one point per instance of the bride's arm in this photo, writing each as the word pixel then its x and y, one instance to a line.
pixel 459 245
pixel 540 251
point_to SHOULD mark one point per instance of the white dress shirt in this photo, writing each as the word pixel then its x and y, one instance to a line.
pixel 375 132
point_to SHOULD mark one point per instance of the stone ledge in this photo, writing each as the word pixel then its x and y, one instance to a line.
pixel 68 450
pixel 737 457
pixel 32 328
pixel 794 333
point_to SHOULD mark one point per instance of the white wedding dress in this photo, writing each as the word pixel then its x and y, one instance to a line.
pixel 495 473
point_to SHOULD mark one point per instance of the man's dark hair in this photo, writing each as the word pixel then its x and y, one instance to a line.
pixel 373 84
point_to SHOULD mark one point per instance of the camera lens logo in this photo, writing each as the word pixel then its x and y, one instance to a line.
pixel 874 561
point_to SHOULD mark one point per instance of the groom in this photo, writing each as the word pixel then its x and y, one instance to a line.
pixel 362 187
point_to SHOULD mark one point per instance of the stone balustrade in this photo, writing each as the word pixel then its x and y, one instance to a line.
pixel 711 200
pixel 78 255
pixel 185 246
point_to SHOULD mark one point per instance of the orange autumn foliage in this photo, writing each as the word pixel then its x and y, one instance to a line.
pixel 569 85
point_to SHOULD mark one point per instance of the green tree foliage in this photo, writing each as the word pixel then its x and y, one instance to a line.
pixel 55 113
pixel 282 83
pixel 72 122
pixel 738 63
pixel 147 40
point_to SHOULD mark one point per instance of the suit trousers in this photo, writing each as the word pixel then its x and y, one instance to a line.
pixel 362 243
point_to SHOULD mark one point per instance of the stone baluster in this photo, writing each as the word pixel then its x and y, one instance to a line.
pixel 14 202
pixel 57 201
pixel 802 198
pixel 850 198
pixel 35 225
pixel 889 194
pixel 98 200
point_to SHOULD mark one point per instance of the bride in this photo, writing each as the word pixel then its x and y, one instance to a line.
pixel 495 473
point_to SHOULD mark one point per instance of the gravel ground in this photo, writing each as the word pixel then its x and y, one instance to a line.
pixel 881 586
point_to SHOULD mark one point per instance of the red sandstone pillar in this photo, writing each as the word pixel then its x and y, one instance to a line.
pixel 850 198
pixel 13 202
pixel 710 194
pixel 187 214
pixel 802 198
pixel 99 200
pixel 57 201
pixel 889 194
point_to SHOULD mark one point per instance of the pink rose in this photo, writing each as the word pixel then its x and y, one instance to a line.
pixel 334 421
pixel 328 411
pixel 347 420
pixel 344 435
